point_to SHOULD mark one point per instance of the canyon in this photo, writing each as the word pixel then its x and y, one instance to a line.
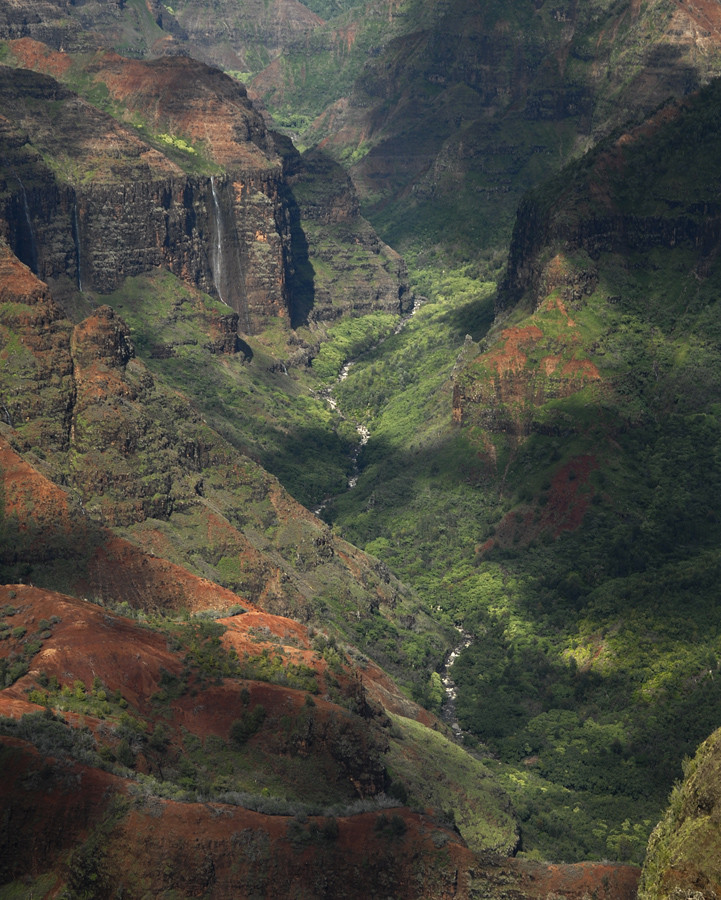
pixel 208 689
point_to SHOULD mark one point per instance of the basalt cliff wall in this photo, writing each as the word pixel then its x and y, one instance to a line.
pixel 196 184
pixel 93 203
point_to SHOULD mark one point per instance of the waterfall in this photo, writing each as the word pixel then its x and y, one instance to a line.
pixel 76 239
pixel 31 234
pixel 217 257
pixel 225 256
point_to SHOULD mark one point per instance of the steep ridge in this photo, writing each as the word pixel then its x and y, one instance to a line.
pixel 246 38
pixel 684 856
pixel 494 96
pixel 225 756
pixel 136 456
pixel 137 704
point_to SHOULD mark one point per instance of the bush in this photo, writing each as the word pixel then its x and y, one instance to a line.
pixel 247 725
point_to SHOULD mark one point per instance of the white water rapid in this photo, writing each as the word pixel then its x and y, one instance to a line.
pixel 448 709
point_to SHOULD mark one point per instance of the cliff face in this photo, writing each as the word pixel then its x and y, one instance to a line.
pixel 113 206
pixel 199 187
pixel 627 198
pixel 241 37
pixel 131 453
pixel 623 242
pixel 354 271
pixel 494 97
pixel 43 20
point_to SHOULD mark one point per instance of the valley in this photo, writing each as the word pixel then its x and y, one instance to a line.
pixel 338 342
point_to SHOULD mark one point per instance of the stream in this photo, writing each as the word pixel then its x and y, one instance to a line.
pixel 448 709
pixel 362 430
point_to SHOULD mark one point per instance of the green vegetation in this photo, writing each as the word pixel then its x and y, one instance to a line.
pixel 181 765
pixel 688 831
pixel 15 661
pixel 263 412
pixel 436 773
pixel 595 654
pixel 348 339
pixel 177 142
pixel 40 886
pixel 63 156
pixel 87 870
pixel 53 736
pixel 554 497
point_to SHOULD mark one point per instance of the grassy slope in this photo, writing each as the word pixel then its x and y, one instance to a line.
pixel 245 713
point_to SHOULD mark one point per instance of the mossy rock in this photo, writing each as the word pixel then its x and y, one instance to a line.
pixel 684 852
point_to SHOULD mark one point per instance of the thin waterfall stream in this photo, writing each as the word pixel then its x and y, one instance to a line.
pixel 28 221
pixel 217 257
pixel 76 240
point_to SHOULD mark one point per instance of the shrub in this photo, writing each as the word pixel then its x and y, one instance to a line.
pixel 247 725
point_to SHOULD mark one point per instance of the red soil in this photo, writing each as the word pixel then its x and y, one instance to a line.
pixel 509 357
pixel 39 57
pixel 25 489
pixel 568 499
pixel 607 881
pixel 221 852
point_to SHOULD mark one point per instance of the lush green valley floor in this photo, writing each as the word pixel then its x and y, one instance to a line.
pixel 593 665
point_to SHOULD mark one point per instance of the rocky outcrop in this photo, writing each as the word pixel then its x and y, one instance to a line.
pixel 358 273
pixel 238 36
pixel 85 199
pixel 36 392
pixel 43 20
pixel 618 200
pixel 70 25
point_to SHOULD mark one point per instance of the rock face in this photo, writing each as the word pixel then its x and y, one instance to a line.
pixel 357 272
pixel 42 20
pixel 238 37
pixel 482 101
pixel 226 234
pixel 212 200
